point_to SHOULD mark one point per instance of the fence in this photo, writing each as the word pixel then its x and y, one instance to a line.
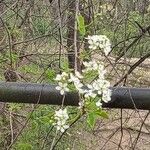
pixel 122 97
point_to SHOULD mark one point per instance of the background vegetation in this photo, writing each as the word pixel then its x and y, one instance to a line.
pixel 38 39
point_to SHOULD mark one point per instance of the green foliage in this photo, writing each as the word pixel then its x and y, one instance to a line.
pixel 90 76
pixel 81 25
pixel 91 119
pixel 65 65
pixel 123 31
pixel 24 146
pixel 50 75
pixel 39 128
pixel 94 113
pixel 41 26
pixel 15 107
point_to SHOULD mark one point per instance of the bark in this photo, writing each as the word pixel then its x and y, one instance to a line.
pixel 70 36
pixel 2 33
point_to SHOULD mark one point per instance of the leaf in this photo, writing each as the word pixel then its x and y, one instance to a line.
pixel 50 74
pixel 34 125
pixel 65 65
pixel 102 114
pixel 91 105
pixel 24 146
pixel 44 119
pixel 81 25
pixel 91 119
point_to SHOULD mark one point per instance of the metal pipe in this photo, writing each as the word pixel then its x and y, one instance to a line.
pixel 122 97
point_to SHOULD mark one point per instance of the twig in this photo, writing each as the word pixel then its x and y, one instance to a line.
pixel 134 66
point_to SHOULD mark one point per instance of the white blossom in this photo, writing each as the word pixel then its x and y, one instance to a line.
pixel 97 90
pixel 101 71
pixel 61 116
pixel 99 87
pixel 73 78
pixel 106 96
pixel 61 77
pixel 93 41
pixel 58 77
pixel 62 87
pixel 90 93
pixel 77 83
pixel 98 103
pixel 92 65
pixel 81 104
pixel 99 41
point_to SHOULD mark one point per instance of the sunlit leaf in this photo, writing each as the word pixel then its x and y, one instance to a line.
pixel 81 25
pixel 91 119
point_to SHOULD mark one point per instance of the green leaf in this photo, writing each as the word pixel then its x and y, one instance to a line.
pixel 24 146
pixel 102 114
pixel 91 119
pixel 44 119
pixel 65 65
pixel 14 107
pixel 50 75
pixel 90 105
pixel 81 25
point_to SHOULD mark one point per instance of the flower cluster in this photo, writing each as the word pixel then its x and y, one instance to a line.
pixel 61 116
pixel 65 79
pixel 75 79
pixel 99 41
pixel 98 88
pixel 62 85
pixel 90 83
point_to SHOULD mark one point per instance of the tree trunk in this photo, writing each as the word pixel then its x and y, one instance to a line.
pixel 2 33
pixel 71 37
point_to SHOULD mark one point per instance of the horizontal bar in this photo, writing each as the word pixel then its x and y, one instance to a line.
pixel 122 97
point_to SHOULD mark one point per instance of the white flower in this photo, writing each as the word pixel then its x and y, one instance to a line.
pixel 81 91
pixel 107 49
pixel 61 116
pixel 78 85
pixel 97 86
pixel 93 41
pixel 106 96
pixel 62 113
pixel 58 77
pixel 73 78
pixel 92 65
pixel 89 93
pixel 62 87
pixel 64 74
pixel 61 77
pixel 98 103
pixel 62 128
pixel 106 85
pixel 99 41
pixel 101 71
pixel 81 104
